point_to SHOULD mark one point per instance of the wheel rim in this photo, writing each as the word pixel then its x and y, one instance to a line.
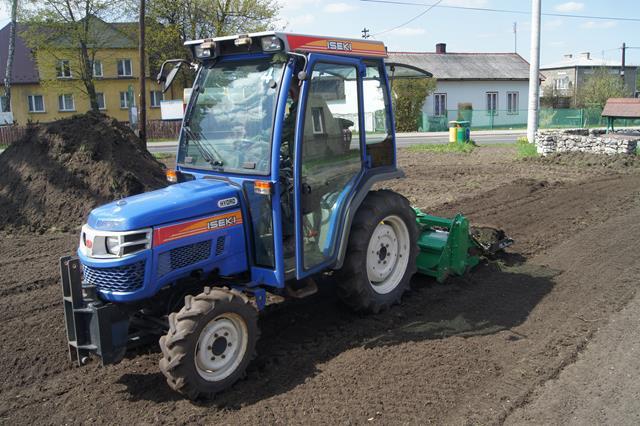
pixel 221 347
pixel 388 254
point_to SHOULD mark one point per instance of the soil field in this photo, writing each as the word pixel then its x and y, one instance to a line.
pixel 473 350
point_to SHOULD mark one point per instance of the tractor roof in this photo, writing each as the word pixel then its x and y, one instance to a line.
pixel 301 43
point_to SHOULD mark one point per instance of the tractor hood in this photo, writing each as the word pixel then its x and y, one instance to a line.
pixel 171 204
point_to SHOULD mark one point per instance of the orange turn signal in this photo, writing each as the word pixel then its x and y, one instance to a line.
pixel 172 176
pixel 262 187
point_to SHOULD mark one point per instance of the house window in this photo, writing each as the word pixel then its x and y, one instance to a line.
pixel 65 102
pixel 156 97
pixel 492 102
pixel 4 105
pixel 124 100
pixel 36 103
pixel 561 83
pixel 124 68
pixel 63 70
pixel 440 104
pixel 512 102
pixel 97 68
pixel 100 99
pixel 317 118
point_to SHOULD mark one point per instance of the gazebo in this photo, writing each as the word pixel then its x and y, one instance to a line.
pixel 621 108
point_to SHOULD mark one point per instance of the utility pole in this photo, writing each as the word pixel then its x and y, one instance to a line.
pixel 515 37
pixel 365 33
pixel 534 71
pixel 142 122
pixel 624 50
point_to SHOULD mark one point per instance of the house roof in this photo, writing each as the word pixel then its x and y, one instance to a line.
pixel 585 60
pixel 622 107
pixel 102 34
pixel 467 66
pixel 24 69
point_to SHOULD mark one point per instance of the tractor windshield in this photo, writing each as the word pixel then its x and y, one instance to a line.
pixel 231 117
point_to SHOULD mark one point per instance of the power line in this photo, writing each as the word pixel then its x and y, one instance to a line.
pixel 488 9
pixel 431 6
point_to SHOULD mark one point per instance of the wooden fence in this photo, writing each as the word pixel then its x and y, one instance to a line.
pixel 158 129
pixel 10 134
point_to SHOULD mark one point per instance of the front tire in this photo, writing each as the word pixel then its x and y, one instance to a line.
pixel 381 253
pixel 210 342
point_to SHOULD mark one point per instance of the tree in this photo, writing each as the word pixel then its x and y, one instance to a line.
pixel 10 55
pixel 408 98
pixel 71 29
pixel 601 86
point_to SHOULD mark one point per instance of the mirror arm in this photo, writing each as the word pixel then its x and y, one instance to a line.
pixel 393 73
pixel 161 77
pixel 302 75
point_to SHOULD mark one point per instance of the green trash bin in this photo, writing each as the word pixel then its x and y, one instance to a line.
pixel 463 132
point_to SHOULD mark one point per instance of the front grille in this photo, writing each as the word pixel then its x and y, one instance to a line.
pixel 119 279
pixel 183 256
pixel 219 246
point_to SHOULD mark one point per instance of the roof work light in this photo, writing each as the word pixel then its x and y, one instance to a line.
pixel 242 41
pixel 205 49
pixel 271 44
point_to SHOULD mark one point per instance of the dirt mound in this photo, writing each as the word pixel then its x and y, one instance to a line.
pixel 58 172
pixel 585 159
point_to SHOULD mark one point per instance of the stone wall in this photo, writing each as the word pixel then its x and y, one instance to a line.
pixel 596 141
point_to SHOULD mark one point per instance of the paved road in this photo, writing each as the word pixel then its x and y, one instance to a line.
pixel 403 139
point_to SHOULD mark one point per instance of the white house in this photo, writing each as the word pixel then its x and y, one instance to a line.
pixel 495 84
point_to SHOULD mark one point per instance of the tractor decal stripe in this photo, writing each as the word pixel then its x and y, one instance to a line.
pixel 339 46
pixel 169 233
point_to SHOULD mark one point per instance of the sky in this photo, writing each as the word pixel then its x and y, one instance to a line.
pixel 476 31
pixel 469 30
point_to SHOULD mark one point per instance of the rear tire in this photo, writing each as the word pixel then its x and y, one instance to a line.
pixel 210 342
pixel 381 253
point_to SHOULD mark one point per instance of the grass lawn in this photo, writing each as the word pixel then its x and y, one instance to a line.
pixel 464 148
pixel 162 155
pixel 162 140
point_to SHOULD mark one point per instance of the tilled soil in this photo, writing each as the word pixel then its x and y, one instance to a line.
pixel 470 351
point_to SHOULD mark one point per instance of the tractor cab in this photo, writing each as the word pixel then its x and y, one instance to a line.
pixel 303 125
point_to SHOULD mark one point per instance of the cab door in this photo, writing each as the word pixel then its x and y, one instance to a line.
pixel 328 157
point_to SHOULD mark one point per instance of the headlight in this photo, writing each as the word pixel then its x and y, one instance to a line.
pixel 271 44
pixel 206 49
pixel 202 53
pixel 112 244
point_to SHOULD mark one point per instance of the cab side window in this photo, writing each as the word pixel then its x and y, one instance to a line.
pixel 377 123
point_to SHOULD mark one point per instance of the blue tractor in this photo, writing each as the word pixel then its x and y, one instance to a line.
pixel 283 137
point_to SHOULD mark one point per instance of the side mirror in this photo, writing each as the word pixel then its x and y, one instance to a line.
pixel 171 77
pixel 168 79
